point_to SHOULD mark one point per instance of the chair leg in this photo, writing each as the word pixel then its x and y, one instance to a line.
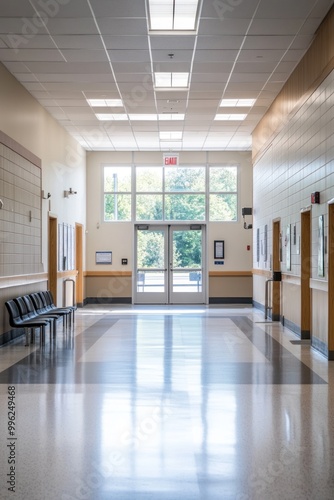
pixel 26 331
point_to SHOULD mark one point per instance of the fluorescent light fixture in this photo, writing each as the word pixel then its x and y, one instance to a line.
pixel 171 15
pixel 171 116
pixel 171 80
pixel 170 136
pixel 154 117
pixel 111 116
pixel 107 103
pixel 230 117
pixel 143 117
pixel 235 103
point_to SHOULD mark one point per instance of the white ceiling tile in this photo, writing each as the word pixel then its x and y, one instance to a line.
pixel 25 27
pixel 117 27
pixel 270 42
pixel 212 27
pixel 78 26
pixel 215 55
pixel 176 42
pixel 73 55
pixel 126 42
pixel 274 27
pixel 219 42
pixel 125 56
pixel 179 56
pixel 30 55
pixel 80 78
pixel 226 10
pixel 261 55
pixel 82 42
pixel 271 9
pixel 125 8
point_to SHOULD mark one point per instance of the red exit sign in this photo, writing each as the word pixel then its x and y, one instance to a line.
pixel 171 159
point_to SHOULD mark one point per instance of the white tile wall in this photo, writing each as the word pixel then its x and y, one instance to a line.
pixel 299 161
pixel 20 217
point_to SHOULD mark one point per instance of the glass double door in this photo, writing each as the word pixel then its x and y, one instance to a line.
pixel 169 264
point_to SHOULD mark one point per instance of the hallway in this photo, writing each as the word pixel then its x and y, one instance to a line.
pixel 167 403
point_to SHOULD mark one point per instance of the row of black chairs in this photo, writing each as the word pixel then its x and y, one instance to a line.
pixel 38 311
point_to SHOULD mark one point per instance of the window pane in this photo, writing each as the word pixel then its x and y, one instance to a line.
pixel 151 249
pixel 223 207
pixel 149 179
pixel 117 207
pixel 223 179
pixel 184 179
pixel 149 207
pixel 117 179
pixel 185 207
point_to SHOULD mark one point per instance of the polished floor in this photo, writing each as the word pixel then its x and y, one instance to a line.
pixel 167 403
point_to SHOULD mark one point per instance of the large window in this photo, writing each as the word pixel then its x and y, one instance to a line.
pixel 117 193
pixel 171 193
pixel 223 193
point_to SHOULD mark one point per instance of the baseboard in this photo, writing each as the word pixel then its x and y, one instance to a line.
pixel 11 335
pixel 108 300
pixel 230 300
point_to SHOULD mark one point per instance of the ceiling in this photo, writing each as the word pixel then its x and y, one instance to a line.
pixel 66 51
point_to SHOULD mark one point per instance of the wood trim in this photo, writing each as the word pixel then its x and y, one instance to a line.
pixel 262 272
pixel 314 67
pixel 218 274
pixel 53 246
pixel 67 274
pixel 19 149
pixel 276 286
pixel 26 279
pixel 79 294
pixel 106 274
pixel 331 277
pixel 305 258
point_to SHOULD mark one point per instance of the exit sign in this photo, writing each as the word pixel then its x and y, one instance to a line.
pixel 171 159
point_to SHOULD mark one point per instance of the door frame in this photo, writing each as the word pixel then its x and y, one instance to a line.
pixel 53 255
pixel 305 260
pixel 330 246
pixel 79 294
pixel 277 250
pixel 166 227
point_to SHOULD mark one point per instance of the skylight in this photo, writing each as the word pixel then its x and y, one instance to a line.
pixel 231 116
pixel 173 15
pixel 111 116
pixel 168 80
pixel 108 103
pixel 170 136
pixel 235 103
pixel 139 117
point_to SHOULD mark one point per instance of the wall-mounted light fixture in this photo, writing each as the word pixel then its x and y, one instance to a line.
pixel 247 211
pixel 67 193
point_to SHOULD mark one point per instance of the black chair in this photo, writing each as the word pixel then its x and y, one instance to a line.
pixel 16 321
pixel 47 295
pixel 32 311
pixel 42 307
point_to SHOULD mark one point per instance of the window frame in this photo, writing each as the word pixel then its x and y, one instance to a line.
pixel 207 192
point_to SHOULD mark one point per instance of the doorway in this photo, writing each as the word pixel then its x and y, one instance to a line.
pixel 170 264
pixel 277 258
pixel 305 258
